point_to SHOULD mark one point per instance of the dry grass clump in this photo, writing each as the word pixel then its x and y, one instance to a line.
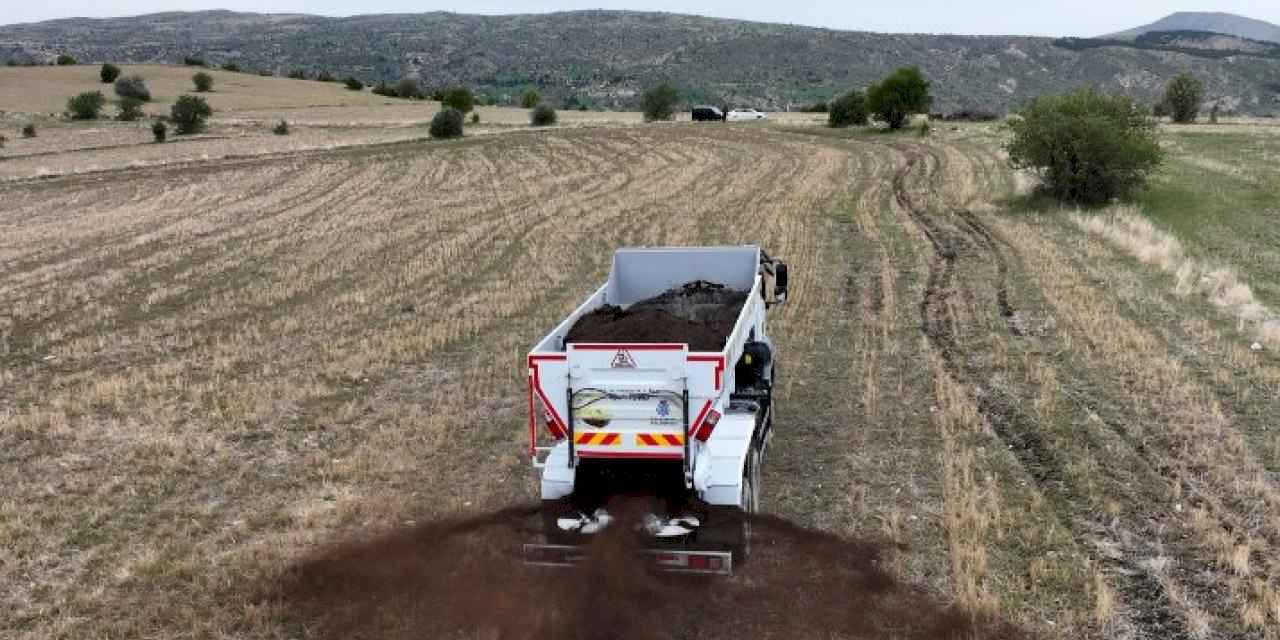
pixel 1220 284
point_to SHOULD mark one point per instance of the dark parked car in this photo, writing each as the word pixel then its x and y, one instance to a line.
pixel 704 114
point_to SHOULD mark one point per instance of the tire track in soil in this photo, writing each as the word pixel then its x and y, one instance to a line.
pixel 1151 606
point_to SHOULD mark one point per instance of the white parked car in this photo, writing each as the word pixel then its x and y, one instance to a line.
pixel 745 114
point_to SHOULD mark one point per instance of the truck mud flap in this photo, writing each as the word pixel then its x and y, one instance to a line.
pixel 666 560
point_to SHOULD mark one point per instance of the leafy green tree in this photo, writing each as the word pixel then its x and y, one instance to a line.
pixel 659 103
pixel 1183 96
pixel 353 84
pixel 189 114
pixel 530 98
pixel 542 115
pixel 160 131
pixel 64 60
pixel 109 73
pixel 446 124
pixel 408 88
pixel 130 109
pixel 86 106
pixel 1088 147
pixel 459 98
pixel 847 110
pixel 133 87
pixel 203 82
pixel 899 95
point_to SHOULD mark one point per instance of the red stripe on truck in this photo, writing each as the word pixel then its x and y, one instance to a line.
pixel 642 346
pixel 719 362
pixel 558 428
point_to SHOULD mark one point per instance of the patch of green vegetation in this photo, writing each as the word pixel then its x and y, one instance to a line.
pixel 1220 194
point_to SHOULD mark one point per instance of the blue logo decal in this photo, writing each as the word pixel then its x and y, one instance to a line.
pixel 664 408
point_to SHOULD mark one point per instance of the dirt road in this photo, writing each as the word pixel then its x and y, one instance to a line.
pixel 211 370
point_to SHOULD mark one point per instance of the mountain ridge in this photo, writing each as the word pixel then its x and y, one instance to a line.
pixel 1211 21
pixel 605 58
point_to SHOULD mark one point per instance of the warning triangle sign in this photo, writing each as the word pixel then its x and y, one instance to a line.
pixel 623 360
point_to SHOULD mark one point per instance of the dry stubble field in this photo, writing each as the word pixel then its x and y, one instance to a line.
pixel 211 368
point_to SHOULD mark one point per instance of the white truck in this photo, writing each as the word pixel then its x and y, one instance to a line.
pixel 688 430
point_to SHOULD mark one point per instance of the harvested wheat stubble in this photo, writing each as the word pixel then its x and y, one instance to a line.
pixel 699 313
pixel 463 578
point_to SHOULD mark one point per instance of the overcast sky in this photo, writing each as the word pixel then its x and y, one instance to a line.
pixel 992 17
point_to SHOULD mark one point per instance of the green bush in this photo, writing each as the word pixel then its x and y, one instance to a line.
pixel 203 82
pixel 818 107
pixel 130 109
pixel 1183 96
pixel 232 67
pixel 459 98
pixel 659 103
pixel 194 61
pixel 408 88
pixel 188 115
pixel 160 131
pixel 447 124
pixel 86 106
pixel 133 87
pixel 899 95
pixel 281 129
pixel 847 110
pixel 542 116
pixel 3 140
pixel 108 73
pixel 530 98
pixel 29 130
pixel 353 84
pixel 1087 147
pixel 383 89
pixel 475 117
pixel 64 60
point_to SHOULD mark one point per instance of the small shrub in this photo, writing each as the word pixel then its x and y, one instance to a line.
pixel 923 129
pixel 160 131
pixel 64 60
pixel 407 88
pixel 108 73
pixel 203 82
pixel 446 124
pixel 266 73
pixel 281 129
pixel 298 74
pixel 383 89
pixel 325 76
pixel 86 106
pixel 530 98
pixel 194 61
pixel 130 109
pixel 3 139
pixel 818 107
pixel 437 95
pixel 848 110
pixel 1160 109
pixel 459 98
pixel 903 93
pixel 232 67
pixel 1087 147
pixel 189 114
pixel 353 84
pixel 1183 96
pixel 133 87
pixel 475 117
pixel 29 130
pixel 659 103
pixel 542 116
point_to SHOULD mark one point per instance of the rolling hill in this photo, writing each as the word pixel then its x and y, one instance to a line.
pixel 605 58
pixel 1224 23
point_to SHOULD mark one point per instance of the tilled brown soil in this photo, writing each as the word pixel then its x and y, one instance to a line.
pixel 701 314
pixel 465 578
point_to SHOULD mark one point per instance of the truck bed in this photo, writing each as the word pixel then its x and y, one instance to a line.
pixel 699 313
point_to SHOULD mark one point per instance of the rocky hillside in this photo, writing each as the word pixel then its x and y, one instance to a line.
pixel 604 58
pixel 1224 23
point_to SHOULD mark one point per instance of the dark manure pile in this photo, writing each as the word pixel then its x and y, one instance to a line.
pixel 701 314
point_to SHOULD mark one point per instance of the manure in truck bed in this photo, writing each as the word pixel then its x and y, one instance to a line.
pixel 699 313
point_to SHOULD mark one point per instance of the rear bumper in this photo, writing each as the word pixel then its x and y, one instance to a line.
pixel 666 560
